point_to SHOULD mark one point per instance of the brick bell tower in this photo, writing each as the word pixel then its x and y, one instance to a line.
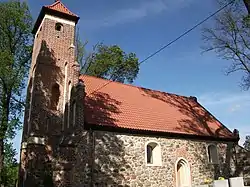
pixel 50 106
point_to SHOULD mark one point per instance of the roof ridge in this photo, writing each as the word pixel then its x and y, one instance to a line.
pixel 52 6
pixel 56 2
pixel 130 85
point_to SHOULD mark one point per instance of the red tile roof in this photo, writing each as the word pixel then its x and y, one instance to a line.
pixel 60 7
pixel 130 107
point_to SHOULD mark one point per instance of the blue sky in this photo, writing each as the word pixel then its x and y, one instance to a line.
pixel 143 26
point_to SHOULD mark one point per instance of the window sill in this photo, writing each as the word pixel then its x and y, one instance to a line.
pixel 150 165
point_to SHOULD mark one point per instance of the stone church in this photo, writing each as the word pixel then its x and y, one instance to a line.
pixel 83 131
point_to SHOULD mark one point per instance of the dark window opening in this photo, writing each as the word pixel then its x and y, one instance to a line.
pixel 55 97
pixel 59 27
pixel 149 154
pixel 212 154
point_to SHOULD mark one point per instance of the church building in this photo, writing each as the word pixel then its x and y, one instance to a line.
pixel 83 131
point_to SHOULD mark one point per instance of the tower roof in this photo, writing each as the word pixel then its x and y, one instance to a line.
pixel 60 7
pixel 57 9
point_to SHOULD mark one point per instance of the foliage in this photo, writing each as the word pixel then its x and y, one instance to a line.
pixel 221 178
pixel 10 166
pixel 80 49
pixel 247 143
pixel 230 38
pixel 208 181
pixel 15 54
pixel 110 62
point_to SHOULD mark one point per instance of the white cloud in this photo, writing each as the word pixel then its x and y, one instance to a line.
pixel 146 8
pixel 225 98
pixel 235 108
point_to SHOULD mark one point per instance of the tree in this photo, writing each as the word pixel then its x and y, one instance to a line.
pixel 10 169
pixel 108 62
pixel 247 143
pixel 230 38
pixel 15 55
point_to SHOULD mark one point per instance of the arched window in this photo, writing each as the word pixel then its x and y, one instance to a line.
pixel 69 90
pixel 183 177
pixel 212 154
pixel 55 94
pixel 153 154
pixel 59 27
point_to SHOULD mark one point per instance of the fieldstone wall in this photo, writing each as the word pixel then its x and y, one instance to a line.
pixel 119 160
pixel 243 164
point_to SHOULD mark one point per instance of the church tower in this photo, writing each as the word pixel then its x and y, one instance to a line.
pixel 48 113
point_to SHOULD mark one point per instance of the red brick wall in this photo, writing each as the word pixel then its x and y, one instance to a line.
pixel 52 50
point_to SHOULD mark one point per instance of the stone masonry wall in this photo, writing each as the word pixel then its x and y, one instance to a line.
pixel 119 160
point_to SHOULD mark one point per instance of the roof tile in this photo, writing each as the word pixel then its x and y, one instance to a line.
pixel 60 7
pixel 127 106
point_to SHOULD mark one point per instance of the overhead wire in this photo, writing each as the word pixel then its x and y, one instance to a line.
pixel 173 41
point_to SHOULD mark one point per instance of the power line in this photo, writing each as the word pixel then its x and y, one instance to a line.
pixel 175 40
pixel 185 33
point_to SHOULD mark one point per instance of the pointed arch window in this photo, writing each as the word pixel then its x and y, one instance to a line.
pixel 55 94
pixel 183 177
pixel 69 90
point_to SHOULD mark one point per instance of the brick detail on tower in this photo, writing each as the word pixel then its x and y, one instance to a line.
pixel 46 157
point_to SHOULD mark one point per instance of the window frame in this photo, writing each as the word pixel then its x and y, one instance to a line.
pixel 156 153
pixel 210 157
pixel 59 25
pixel 188 170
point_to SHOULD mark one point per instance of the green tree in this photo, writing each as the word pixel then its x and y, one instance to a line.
pixel 110 62
pixel 229 37
pixel 247 143
pixel 10 169
pixel 15 54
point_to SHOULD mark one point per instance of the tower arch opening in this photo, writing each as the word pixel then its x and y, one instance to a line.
pixel 55 95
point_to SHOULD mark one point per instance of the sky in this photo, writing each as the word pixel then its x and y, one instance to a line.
pixel 142 27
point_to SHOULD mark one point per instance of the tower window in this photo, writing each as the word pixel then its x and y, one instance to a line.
pixel 55 94
pixel 59 27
